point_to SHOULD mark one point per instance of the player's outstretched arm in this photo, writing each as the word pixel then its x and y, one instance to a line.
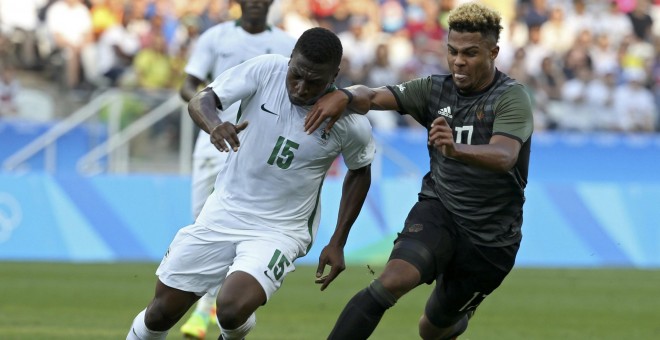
pixel 354 192
pixel 358 98
pixel 202 109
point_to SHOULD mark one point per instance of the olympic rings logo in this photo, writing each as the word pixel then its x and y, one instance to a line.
pixel 11 215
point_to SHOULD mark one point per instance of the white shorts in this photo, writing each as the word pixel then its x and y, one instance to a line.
pixel 199 258
pixel 207 162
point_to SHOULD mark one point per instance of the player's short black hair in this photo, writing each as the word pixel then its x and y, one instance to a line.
pixel 320 45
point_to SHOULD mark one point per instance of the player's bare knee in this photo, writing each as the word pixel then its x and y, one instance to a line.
pixel 396 284
pixel 231 314
pixel 156 318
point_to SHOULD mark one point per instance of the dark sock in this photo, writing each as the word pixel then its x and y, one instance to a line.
pixel 359 318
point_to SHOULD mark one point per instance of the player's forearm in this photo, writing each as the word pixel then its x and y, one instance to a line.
pixel 496 157
pixel 366 99
pixel 354 193
pixel 202 110
pixel 189 88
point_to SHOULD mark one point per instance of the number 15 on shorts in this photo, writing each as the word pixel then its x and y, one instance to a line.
pixel 277 265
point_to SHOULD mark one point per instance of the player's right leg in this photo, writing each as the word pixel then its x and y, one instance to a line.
pixel 421 251
pixel 475 271
pixel 239 298
pixel 263 259
pixel 164 311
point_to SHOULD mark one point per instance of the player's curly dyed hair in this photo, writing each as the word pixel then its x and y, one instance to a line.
pixel 474 17
pixel 320 45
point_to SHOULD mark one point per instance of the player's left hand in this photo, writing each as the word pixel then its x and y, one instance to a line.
pixel 334 257
pixel 330 106
pixel 441 137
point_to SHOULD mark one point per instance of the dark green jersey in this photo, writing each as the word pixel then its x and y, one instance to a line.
pixel 486 204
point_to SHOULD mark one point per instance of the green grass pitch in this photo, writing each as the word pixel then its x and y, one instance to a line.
pixel 99 301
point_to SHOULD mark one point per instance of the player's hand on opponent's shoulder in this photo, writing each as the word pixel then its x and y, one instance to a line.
pixel 225 136
pixel 334 257
pixel 330 106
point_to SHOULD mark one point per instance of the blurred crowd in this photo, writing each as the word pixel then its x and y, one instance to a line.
pixel 590 65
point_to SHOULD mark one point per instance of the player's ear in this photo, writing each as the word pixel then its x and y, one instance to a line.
pixel 494 52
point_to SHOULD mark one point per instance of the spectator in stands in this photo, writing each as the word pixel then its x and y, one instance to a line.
pixel 323 11
pixel 634 103
pixel 637 53
pixel 378 73
pixel 297 17
pixel 9 87
pixel 105 14
pixel 116 47
pixel 614 24
pixel 536 12
pixel 428 58
pixel 518 69
pixel 423 20
pixel 556 34
pixel 400 48
pixel 19 23
pixel 343 78
pixel 551 80
pixel 216 11
pixel 152 65
pixel 600 99
pixel 392 15
pixel 535 51
pixel 578 57
pixel 578 115
pixel 603 54
pixel 641 20
pixel 580 18
pixel 359 45
pixel 655 77
pixel 70 26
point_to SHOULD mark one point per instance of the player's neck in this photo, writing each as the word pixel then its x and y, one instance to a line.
pixel 254 27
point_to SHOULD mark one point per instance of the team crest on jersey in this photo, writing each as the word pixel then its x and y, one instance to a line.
pixel 480 114
pixel 322 136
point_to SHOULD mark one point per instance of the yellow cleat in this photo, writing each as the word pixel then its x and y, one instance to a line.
pixel 196 326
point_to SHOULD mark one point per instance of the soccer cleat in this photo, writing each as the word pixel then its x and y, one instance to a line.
pixel 196 326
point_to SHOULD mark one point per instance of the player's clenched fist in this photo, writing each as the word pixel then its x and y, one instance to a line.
pixel 441 137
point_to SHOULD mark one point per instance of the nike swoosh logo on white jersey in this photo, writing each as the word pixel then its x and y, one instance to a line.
pixel 263 107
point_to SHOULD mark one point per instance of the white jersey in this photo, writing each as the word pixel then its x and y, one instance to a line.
pixel 274 180
pixel 226 45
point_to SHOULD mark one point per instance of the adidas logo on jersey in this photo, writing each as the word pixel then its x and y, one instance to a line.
pixel 446 112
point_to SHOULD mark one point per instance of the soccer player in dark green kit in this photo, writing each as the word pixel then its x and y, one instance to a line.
pixel 465 230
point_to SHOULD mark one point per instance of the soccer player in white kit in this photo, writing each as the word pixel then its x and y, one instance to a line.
pixel 265 209
pixel 218 49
